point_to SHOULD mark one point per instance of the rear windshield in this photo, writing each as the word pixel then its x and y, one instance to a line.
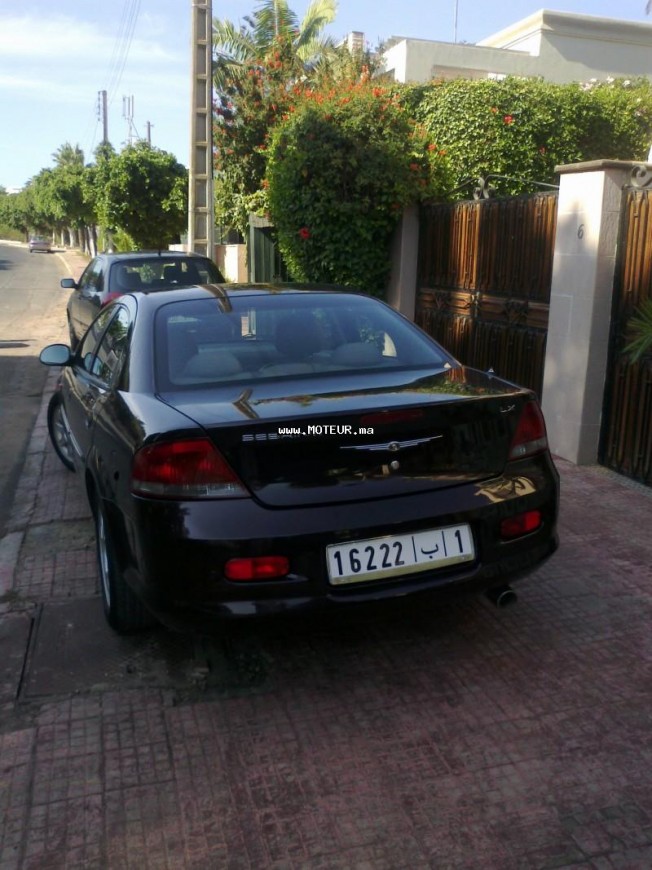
pixel 147 273
pixel 284 336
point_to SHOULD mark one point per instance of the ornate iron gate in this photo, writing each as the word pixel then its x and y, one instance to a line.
pixel 626 442
pixel 485 270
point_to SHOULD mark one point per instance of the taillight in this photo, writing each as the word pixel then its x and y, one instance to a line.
pixel 522 524
pixel 530 436
pixel 110 297
pixel 257 568
pixel 190 469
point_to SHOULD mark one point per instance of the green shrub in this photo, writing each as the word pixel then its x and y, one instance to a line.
pixel 341 167
pixel 523 128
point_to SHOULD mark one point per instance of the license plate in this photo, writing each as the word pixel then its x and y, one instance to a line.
pixel 394 555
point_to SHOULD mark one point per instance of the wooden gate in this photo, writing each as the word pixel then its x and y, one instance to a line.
pixel 485 270
pixel 626 442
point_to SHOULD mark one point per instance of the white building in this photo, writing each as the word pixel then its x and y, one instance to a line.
pixel 557 46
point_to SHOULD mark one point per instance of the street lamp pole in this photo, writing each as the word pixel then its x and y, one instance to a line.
pixel 201 221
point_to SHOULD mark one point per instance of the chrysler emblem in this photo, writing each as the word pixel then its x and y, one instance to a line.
pixel 391 446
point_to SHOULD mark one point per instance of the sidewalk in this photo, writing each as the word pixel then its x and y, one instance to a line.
pixel 439 736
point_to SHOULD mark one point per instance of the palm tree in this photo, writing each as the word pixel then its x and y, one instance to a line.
pixel 272 26
pixel 68 155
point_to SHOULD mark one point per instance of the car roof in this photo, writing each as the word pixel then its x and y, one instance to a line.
pixel 139 255
pixel 195 292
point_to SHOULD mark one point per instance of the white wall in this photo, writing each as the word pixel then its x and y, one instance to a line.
pixel 559 47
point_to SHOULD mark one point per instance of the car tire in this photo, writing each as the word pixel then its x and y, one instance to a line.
pixel 59 431
pixel 123 610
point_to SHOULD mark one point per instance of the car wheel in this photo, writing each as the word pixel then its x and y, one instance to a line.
pixel 124 612
pixel 59 431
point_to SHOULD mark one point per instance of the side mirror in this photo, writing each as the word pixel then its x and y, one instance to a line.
pixel 56 355
pixel 69 284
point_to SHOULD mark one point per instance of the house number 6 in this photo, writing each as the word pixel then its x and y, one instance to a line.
pixel 580 231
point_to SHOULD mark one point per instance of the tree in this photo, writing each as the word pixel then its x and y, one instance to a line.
pixel 68 155
pixel 256 68
pixel 271 27
pixel 17 211
pixel 142 191
pixel 342 166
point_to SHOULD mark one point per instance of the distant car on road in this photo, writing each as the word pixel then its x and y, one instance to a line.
pixel 39 243
pixel 258 449
pixel 108 276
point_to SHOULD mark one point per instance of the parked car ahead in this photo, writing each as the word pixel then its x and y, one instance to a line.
pixel 108 276
pixel 39 243
pixel 250 450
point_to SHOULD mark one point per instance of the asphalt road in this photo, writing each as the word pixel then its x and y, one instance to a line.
pixel 30 316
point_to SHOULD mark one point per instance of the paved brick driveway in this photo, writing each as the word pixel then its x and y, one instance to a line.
pixel 446 735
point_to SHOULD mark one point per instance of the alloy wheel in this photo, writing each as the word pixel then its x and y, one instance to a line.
pixel 103 558
pixel 60 433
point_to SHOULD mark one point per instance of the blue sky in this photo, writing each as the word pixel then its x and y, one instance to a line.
pixel 55 55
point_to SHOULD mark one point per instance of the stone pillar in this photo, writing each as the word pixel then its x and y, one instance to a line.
pixel 588 223
pixel 402 288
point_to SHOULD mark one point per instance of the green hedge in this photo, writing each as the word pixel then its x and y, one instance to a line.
pixel 523 128
pixel 341 167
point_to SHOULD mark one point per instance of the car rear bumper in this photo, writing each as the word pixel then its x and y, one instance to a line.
pixel 178 551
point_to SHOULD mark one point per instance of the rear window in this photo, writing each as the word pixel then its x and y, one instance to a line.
pixel 148 273
pixel 254 338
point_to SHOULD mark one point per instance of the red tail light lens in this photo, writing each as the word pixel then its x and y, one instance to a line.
pixel 190 469
pixel 257 568
pixel 522 524
pixel 530 436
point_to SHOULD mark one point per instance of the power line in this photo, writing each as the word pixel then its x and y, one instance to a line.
pixel 123 44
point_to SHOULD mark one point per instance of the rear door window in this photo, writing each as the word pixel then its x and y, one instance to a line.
pixel 93 279
pixel 113 347
pixel 91 340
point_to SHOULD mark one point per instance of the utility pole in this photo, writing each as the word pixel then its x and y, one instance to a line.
pixel 128 115
pixel 105 121
pixel 149 133
pixel 201 220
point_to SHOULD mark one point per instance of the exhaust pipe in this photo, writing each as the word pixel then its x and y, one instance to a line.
pixel 502 596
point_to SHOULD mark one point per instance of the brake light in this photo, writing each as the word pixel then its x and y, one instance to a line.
pixel 257 568
pixel 187 469
pixel 522 524
pixel 530 436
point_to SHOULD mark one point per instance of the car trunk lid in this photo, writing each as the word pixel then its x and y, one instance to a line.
pixel 349 440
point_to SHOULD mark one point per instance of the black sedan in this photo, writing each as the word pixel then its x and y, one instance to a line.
pixel 253 450
pixel 108 276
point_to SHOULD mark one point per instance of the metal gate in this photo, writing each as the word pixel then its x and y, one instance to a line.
pixel 265 262
pixel 626 438
pixel 485 270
